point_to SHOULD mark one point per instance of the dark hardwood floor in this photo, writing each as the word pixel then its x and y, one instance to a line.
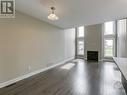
pixel 77 77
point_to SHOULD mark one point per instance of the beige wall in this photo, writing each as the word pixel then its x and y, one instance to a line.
pixel 93 38
pixel 29 43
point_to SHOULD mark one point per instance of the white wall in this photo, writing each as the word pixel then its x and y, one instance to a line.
pixel 93 39
pixel 122 38
pixel 25 41
pixel 69 43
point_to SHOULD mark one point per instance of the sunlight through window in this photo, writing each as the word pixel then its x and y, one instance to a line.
pixel 67 66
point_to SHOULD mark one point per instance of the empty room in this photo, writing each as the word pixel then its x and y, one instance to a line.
pixel 63 47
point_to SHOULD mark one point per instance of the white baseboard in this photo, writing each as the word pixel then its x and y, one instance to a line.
pixel 32 73
pixel 110 60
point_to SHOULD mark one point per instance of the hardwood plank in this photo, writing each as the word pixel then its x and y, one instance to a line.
pixel 77 78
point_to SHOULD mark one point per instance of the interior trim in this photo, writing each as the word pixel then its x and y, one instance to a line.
pixel 4 84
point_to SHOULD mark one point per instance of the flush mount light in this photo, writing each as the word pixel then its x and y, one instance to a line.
pixel 53 16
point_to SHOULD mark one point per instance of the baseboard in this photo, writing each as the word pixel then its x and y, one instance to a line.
pixel 110 60
pixel 32 73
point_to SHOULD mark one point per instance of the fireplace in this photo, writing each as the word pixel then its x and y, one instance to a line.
pixel 92 55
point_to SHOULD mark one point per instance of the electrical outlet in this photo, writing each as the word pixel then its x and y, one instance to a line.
pixel 48 65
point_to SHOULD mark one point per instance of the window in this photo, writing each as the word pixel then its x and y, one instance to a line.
pixel 121 37
pixel 108 47
pixel 109 39
pixel 81 31
pixel 109 28
pixel 80 41
pixel 80 47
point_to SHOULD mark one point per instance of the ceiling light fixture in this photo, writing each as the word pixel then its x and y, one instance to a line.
pixel 53 16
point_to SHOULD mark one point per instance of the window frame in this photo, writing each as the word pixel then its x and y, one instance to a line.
pixel 110 36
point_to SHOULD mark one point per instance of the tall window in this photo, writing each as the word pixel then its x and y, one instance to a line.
pixel 121 38
pixel 80 41
pixel 109 39
pixel 80 31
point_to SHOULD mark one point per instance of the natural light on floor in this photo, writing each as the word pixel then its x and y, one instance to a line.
pixel 67 66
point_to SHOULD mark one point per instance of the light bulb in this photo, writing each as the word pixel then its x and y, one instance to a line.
pixel 53 17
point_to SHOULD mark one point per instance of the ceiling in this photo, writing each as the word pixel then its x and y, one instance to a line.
pixel 73 13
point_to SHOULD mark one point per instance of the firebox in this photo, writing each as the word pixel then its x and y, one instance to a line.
pixel 92 55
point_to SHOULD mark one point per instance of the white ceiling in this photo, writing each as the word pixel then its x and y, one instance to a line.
pixel 73 13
